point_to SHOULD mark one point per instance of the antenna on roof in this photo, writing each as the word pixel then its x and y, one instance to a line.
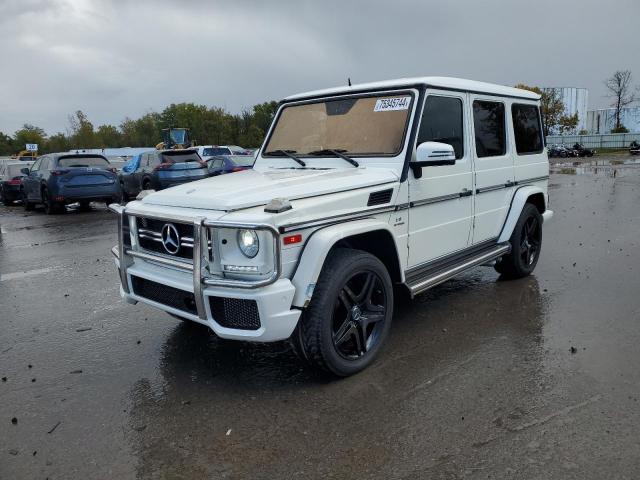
pixel 349 81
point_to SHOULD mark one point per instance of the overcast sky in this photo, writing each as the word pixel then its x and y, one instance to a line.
pixel 118 58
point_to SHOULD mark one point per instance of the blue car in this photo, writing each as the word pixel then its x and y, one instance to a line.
pixel 58 179
pixel 219 165
pixel 159 169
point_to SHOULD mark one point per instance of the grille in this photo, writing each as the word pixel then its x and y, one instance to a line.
pixel 172 297
pixel 150 237
pixel 235 313
pixel 380 198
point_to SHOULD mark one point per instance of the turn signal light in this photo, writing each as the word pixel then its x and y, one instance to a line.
pixel 291 239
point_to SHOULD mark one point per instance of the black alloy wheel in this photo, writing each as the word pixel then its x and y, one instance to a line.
pixel 349 316
pixel 526 244
pixel 358 315
pixel 531 239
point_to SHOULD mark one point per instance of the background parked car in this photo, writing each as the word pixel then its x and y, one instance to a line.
pixel 582 151
pixel 159 169
pixel 11 180
pixel 634 148
pixel 228 164
pixel 208 151
pixel 58 179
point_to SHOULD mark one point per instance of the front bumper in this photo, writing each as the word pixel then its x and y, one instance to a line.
pixel 272 296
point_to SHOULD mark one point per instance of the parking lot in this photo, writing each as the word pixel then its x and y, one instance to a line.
pixel 481 378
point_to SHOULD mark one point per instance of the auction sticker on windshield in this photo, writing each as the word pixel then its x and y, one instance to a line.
pixel 395 103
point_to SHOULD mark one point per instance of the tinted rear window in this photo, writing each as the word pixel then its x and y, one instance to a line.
pixel 180 157
pixel 71 162
pixel 210 152
pixel 526 127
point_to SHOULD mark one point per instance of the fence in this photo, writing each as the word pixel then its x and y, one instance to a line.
pixel 608 140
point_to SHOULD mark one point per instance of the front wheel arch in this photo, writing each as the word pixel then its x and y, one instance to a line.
pixel 353 235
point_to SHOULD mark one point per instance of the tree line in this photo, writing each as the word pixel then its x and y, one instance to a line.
pixel 213 125
pixel 208 125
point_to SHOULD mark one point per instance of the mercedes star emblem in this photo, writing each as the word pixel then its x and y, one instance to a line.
pixel 170 238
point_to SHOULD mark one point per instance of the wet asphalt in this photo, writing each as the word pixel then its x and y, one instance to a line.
pixel 481 378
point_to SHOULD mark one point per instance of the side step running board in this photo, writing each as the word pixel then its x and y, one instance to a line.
pixel 433 278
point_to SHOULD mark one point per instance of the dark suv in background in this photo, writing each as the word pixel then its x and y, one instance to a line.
pixel 58 179
pixel 160 169
pixel 228 164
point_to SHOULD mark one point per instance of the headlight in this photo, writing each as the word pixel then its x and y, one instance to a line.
pixel 248 243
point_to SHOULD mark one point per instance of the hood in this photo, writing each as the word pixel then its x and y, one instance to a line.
pixel 251 188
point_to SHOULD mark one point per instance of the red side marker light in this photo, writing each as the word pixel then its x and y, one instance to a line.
pixel 291 239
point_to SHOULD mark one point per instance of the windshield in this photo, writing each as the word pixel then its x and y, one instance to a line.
pixel 178 135
pixel 83 162
pixel 212 152
pixel 373 125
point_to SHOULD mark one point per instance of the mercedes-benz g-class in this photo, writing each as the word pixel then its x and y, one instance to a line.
pixel 355 189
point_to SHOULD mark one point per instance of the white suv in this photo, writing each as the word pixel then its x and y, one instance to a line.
pixel 356 189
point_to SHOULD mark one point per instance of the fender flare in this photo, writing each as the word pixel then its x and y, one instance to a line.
pixel 317 248
pixel 517 204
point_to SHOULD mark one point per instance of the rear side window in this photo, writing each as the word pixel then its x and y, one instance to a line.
pixel 71 162
pixel 526 128
pixel 242 160
pixel 442 122
pixel 488 124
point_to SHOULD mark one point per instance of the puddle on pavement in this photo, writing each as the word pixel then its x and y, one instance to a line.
pixel 606 168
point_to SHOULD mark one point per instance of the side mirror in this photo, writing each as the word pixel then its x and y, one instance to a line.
pixel 431 154
pixel 24 170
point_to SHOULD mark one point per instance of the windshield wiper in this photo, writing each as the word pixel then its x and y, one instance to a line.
pixel 288 153
pixel 336 153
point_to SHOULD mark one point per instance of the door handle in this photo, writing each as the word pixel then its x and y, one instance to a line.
pixel 509 183
pixel 466 192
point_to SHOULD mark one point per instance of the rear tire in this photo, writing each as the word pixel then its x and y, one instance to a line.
pixel 50 207
pixel 526 243
pixel 348 319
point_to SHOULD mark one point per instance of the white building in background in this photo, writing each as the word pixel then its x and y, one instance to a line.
pixel 575 100
pixel 602 121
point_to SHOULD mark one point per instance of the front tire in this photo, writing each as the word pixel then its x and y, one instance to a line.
pixel 526 243
pixel 349 316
